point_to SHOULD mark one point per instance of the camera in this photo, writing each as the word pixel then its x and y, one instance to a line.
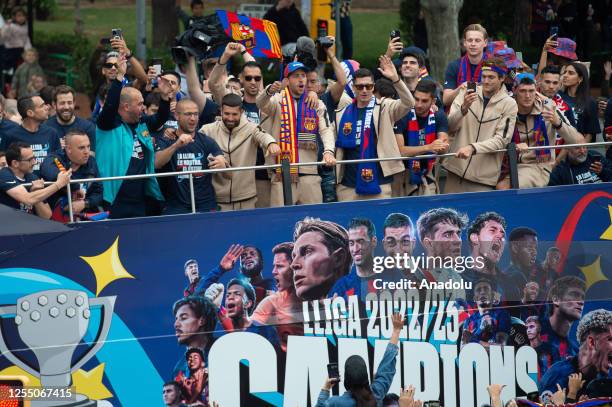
pixel 325 42
pixel 203 37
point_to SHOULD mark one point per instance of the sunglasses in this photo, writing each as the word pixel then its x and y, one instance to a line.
pixel 367 86
pixel 109 65
pixel 250 78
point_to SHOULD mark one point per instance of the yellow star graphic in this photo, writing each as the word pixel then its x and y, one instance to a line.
pixel 107 267
pixel 592 273
pixel 607 235
pixel 90 383
pixel 87 383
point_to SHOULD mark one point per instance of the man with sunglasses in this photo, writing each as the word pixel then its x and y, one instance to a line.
pixel 20 159
pixel 536 124
pixel 125 147
pixel 43 139
pixel 251 80
pixel 364 129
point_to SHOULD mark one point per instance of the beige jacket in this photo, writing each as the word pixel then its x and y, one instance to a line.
pixel 486 129
pixel 531 172
pixel 271 106
pixel 386 113
pixel 239 147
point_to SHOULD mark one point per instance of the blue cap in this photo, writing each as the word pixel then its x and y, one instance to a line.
pixel 294 66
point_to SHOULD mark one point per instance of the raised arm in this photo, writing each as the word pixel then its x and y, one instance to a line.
pixel 193 84
pixel 398 108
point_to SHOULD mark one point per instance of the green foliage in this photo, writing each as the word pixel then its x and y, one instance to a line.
pixel 79 48
pixel 45 8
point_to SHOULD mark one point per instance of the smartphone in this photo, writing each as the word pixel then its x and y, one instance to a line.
pixel 156 63
pixel 596 159
pixel 116 33
pixel 432 403
pixel 554 32
pixel 471 86
pixel 332 371
pixel 395 34
pixel 519 55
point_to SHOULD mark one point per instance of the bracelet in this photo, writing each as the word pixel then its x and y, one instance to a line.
pixel 128 57
pixel 243 52
pixel 219 62
pixel 397 81
pixel 560 125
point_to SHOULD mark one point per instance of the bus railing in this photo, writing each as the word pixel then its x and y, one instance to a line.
pixel 285 167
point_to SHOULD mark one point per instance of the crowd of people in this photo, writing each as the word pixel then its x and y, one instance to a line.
pixel 149 120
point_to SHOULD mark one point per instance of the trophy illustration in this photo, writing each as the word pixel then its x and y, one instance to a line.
pixel 52 323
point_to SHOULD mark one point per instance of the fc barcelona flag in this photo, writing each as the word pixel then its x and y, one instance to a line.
pixel 260 37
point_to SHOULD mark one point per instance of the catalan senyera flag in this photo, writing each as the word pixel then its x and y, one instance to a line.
pixel 260 37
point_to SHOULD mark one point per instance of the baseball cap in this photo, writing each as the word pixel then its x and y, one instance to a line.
pixel 566 48
pixel 294 66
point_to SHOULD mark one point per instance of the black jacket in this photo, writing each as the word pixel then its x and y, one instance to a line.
pixel 566 173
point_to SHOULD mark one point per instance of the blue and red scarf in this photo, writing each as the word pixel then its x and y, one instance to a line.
pixel 540 136
pixel 298 129
pixel 420 168
pixel 349 136
pixel 465 71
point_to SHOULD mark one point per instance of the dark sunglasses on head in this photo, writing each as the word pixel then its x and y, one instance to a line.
pixel 109 65
pixel 367 86
pixel 250 78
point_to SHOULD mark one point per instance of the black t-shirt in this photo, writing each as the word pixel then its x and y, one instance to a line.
pixel 209 114
pixel 452 70
pixel 134 190
pixel 8 181
pixel 79 124
pixel 192 157
pixel 349 179
pixel 587 121
pixel 43 142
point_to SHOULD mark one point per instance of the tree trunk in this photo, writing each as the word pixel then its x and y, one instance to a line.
pixel 520 31
pixel 441 19
pixel 78 19
pixel 165 23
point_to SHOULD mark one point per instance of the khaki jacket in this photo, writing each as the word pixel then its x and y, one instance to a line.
pixel 531 172
pixel 386 113
pixel 486 129
pixel 271 106
pixel 239 147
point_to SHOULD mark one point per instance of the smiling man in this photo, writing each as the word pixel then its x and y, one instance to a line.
pixel 65 119
pixel 320 257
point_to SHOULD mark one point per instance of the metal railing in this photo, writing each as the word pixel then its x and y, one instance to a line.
pixel 285 167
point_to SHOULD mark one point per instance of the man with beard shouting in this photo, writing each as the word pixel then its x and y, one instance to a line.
pixel 65 120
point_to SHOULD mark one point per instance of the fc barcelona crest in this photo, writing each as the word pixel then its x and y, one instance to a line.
pixel 310 124
pixel 347 129
pixel 243 34
pixel 367 174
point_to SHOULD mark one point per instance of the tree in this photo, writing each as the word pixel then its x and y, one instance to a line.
pixel 165 23
pixel 78 18
pixel 442 33
pixel 520 31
